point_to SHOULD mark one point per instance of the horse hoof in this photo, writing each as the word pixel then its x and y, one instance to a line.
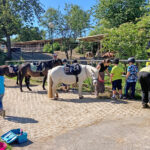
pixel 30 90
pixel 55 98
pixel 81 97
pixel 44 89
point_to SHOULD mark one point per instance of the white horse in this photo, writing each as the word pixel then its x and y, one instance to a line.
pixel 57 75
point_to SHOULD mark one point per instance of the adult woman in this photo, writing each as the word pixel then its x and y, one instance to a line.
pixel 102 67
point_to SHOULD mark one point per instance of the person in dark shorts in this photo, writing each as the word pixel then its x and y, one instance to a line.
pixel 116 78
pixel 144 79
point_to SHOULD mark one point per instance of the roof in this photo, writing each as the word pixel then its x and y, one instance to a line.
pixel 36 42
pixel 94 38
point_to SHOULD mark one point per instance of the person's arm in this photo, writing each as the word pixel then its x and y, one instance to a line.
pixel 98 67
pixel 107 72
pixel 128 74
pixel 111 75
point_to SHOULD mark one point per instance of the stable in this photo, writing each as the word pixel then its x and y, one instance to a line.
pixel 96 43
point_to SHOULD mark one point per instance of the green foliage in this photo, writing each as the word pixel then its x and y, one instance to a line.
pixel 2 57
pixel 14 13
pixel 117 12
pixel 48 48
pixel 129 39
pixel 56 46
pixel 29 34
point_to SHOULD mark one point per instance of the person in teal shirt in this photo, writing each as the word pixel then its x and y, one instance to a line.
pixel 2 91
pixel 116 78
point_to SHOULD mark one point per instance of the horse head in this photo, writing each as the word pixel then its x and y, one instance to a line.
pixel 53 63
pixel 93 72
pixel 94 75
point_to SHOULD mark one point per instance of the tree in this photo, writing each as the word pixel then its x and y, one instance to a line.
pixel 14 13
pixel 29 34
pixel 129 39
pixel 68 25
pixel 117 12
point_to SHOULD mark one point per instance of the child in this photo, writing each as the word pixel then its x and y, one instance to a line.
pixel 116 78
pixel 2 90
pixel 131 78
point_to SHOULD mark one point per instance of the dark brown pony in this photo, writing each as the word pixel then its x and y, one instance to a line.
pixel 25 71
pixel 6 71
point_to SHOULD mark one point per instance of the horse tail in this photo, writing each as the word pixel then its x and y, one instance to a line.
pixel 50 83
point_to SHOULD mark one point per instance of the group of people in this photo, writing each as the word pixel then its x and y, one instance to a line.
pixel 115 75
pixel 132 77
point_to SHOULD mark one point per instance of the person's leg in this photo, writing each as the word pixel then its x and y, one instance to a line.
pixel 127 86
pixel 114 89
pixel 1 103
pixel 144 82
pixel 119 86
pixel 2 112
pixel 133 84
pixel 97 89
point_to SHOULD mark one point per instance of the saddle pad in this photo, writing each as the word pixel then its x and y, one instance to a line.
pixel 74 69
pixel 13 69
pixel 37 67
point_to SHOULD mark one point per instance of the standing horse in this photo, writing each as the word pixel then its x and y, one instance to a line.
pixel 25 70
pixel 10 71
pixel 57 75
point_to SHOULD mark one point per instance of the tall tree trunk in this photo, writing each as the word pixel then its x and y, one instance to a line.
pixel 66 52
pixel 8 44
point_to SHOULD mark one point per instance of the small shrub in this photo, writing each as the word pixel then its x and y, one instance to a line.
pixel 48 48
pixel 56 46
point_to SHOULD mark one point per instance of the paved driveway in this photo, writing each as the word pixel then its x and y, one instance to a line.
pixel 48 121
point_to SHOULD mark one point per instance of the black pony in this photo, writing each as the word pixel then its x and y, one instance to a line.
pixel 41 69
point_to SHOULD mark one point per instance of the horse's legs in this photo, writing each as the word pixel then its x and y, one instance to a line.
pixel 80 90
pixel 54 92
pixel 17 80
pixel 20 77
pixel 44 80
pixel 27 81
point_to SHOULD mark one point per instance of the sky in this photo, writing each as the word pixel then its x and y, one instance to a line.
pixel 85 4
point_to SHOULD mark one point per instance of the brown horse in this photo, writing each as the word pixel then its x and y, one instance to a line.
pixel 10 71
pixel 25 70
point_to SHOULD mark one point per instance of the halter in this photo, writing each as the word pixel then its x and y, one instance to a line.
pixel 93 79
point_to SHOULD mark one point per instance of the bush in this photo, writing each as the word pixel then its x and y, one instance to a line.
pixel 48 48
pixel 56 46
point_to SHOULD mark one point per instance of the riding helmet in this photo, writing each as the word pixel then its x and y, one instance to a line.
pixel 116 61
pixel 64 61
pixel 74 61
pixel 131 59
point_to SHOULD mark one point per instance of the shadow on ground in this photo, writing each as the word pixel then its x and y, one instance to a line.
pixel 22 145
pixel 22 120
pixel 38 92
pixel 17 86
pixel 93 100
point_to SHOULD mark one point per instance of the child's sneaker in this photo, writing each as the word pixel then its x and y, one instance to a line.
pixel 113 97
pixel 120 97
